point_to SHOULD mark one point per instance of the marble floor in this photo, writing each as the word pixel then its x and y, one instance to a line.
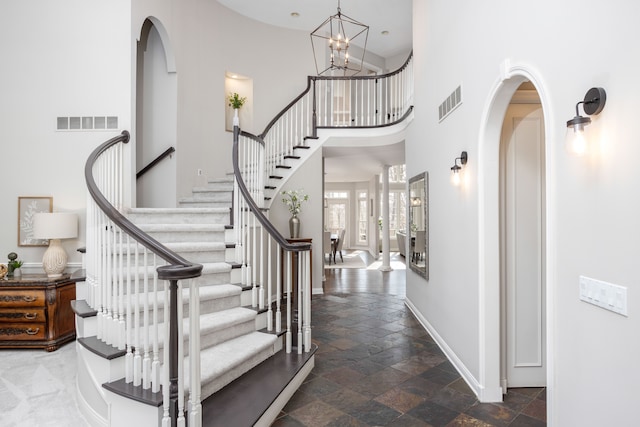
pixel 37 388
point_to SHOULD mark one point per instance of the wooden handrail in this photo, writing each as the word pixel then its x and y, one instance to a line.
pixel 275 234
pixel 169 151
pixel 180 268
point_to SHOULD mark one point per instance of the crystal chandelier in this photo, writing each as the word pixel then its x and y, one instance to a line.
pixel 339 33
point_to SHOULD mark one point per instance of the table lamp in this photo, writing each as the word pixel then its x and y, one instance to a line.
pixel 55 226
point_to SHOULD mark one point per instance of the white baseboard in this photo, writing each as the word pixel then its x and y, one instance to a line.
pixel 451 355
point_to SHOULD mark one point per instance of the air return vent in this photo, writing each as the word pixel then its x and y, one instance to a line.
pixel 87 123
pixel 450 103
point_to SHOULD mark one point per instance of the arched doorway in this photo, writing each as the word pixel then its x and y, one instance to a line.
pixel 522 242
pixel 490 245
pixel 156 117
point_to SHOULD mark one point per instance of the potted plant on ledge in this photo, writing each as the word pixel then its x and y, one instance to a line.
pixel 293 199
pixel 236 102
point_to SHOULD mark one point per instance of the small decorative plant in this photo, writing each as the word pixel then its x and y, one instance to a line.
pixel 13 263
pixel 236 101
pixel 293 199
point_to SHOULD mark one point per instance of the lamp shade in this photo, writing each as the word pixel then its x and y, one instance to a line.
pixel 57 225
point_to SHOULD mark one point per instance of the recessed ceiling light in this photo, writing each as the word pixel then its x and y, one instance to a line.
pixel 385 33
pixel 294 14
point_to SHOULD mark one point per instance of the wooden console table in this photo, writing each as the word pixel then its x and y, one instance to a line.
pixel 35 312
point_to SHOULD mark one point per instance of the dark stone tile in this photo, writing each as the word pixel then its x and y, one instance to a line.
pixel 345 399
pixel 344 376
pixel 319 387
pixel 536 409
pixel 462 386
pixel 299 399
pixel 380 382
pixel 433 413
pixel 316 414
pixel 438 376
pixel 346 421
pixel 447 366
pixel 492 414
pixel 367 367
pixel 525 421
pixel 464 420
pixel 375 413
pixel 543 395
pixel 408 421
pixel 453 399
pixel 420 387
pixel 515 401
pixel 287 421
pixel 527 391
pixel 400 400
pixel 390 356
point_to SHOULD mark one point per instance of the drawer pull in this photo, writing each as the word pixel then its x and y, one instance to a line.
pixel 30 316
pixel 29 298
pixel 32 331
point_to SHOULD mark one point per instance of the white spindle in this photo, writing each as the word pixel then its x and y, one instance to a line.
pixel 195 406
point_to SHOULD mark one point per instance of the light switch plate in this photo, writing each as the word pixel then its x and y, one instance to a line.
pixel 604 295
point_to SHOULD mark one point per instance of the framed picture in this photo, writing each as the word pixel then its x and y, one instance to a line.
pixel 27 208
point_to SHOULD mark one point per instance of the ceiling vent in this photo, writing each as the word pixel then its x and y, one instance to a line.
pixel 450 103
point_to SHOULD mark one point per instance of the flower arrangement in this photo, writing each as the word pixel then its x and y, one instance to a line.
pixel 236 101
pixel 293 199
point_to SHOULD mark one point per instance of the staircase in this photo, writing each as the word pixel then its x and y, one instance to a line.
pixel 233 339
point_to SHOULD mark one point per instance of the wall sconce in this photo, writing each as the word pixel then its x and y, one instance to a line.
pixel 457 168
pixel 592 104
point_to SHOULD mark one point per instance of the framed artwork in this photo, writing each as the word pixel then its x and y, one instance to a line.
pixel 27 208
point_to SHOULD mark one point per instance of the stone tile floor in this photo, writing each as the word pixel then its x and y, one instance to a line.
pixel 377 366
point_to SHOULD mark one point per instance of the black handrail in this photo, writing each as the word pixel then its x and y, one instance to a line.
pixel 279 238
pixel 169 151
pixel 180 268
pixel 314 78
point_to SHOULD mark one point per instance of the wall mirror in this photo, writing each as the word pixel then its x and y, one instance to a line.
pixel 418 255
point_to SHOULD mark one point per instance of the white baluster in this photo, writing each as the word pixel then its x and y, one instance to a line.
pixel 195 406
pixel 155 365
pixel 288 275
pixel 279 286
pixel 181 419
pixel 137 357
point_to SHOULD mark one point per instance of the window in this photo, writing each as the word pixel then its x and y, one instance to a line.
pixel 336 214
pixel 363 214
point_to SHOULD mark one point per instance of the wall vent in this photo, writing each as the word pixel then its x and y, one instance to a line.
pixel 450 103
pixel 87 123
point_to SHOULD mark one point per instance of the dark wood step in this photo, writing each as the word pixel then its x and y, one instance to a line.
pixel 292 157
pixel 275 177
pixel 100 348
pixel 311 137
pixel 283 167
pixel 261 386
pixel 269 187
pixel 302 147
pixel 130 391
pixel 82 309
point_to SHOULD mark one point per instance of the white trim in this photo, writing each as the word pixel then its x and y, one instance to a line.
pixel 511 75
pixel 468 377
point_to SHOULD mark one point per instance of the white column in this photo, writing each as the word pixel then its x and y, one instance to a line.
pixel 386 261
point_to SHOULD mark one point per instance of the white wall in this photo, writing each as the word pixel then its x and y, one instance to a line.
pixel 566 47
pixel 63 58
pixel 307 178
pixel 209 40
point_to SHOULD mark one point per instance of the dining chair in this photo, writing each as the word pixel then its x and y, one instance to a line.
pixel 338 246
pixel 420 245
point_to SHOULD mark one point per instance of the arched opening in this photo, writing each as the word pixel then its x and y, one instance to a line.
pixel 491 177
pixel 156 117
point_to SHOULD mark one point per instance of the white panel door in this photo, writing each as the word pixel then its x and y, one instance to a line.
pixel 523 240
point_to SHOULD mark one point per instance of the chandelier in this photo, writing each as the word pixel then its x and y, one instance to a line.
pixel 339 33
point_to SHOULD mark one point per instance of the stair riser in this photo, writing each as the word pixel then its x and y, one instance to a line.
pixel 187 236
pixel 216 196
pixel 202 203
pixel 221 217
pixel 219 255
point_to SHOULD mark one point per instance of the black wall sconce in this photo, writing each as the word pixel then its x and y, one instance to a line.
pixel 592 104
pixel 456 168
